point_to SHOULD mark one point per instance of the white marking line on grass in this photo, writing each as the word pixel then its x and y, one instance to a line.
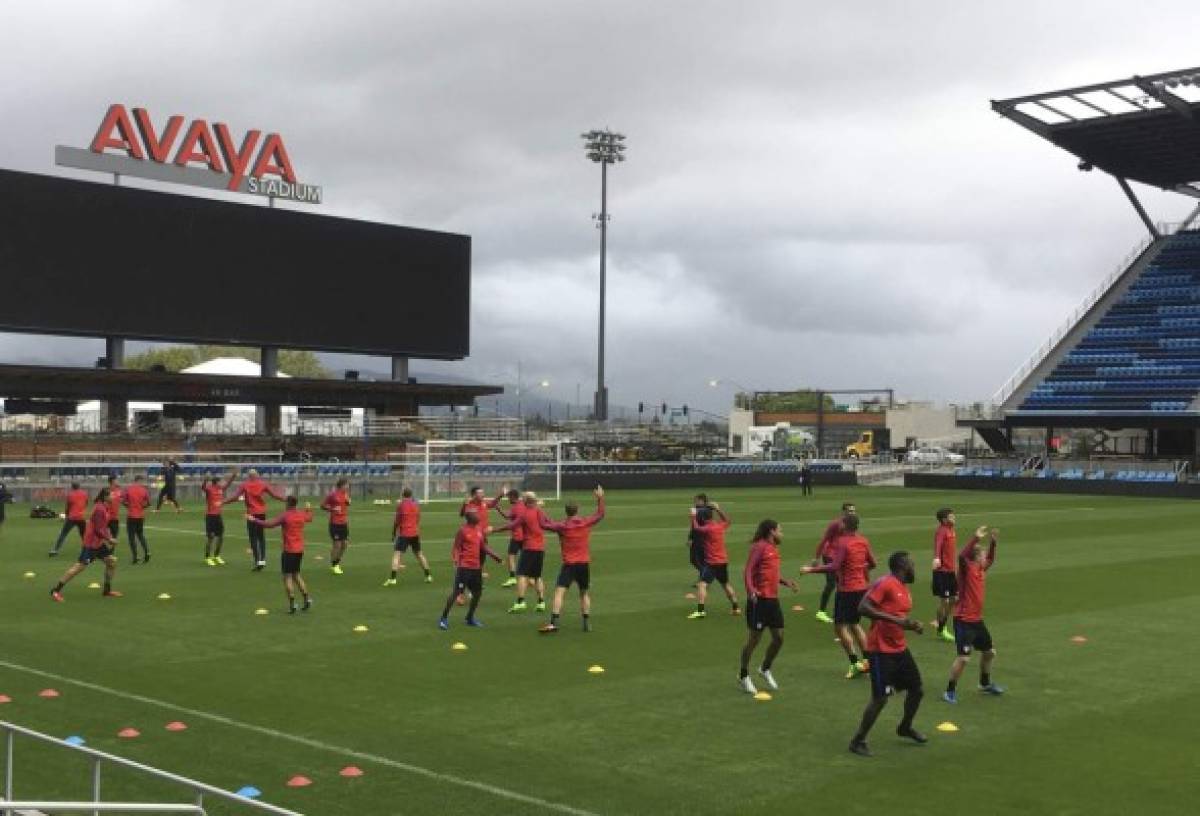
pixel 503 793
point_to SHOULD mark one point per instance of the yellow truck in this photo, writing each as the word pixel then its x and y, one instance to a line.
pixel 870 443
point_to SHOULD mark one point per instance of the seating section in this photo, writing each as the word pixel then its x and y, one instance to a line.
pixel 1143 356
pixel 1160 476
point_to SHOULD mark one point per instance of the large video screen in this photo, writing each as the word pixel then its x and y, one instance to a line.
pixel 90 259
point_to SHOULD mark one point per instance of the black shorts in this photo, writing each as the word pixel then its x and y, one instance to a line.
pixel 471 579
pixel 214 526
pixel 575 573
pixel 290 562
pixel 764 613
pixel 715 572
pixel 515 546
pixel 87 556
pixel 945 584
pixel 339 532
pixel 529 565
pixel 403 543
pixel 892 672
pixel 970 637
pixel 167 492
pixel 78 525
pixel 696 555
pixel 845 606
pixel 114 528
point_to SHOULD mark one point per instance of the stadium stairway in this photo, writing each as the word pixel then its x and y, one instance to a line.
pixel 1137 350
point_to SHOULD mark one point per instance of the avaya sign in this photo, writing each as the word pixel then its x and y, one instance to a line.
pixel 198 155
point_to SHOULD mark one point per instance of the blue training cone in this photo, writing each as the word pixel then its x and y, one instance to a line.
pixel 250 792
pixel 74 740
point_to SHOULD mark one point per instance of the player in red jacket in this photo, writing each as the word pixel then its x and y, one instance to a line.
pixel 292 520
pixel 254 490
pixel 715 558
pixel 945 579
pixel 763 579
pixel 574 536
pixel 406 535
pixel 470 546
pixel 136 499
pixel 337 504
pixel 852 563
pixel 99 544
pixel 970 632
pixel 74 516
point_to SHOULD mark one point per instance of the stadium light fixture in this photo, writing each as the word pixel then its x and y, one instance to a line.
pixel 603 147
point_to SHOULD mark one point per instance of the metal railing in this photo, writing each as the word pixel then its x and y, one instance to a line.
pixel 1043 351
pixel 198 789
pixel 105 807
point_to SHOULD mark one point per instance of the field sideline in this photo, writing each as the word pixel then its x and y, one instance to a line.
pixel 516 724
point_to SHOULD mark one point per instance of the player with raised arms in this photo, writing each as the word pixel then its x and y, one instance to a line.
pixel 255 490
pixel 292 520
pixel 574 536
pixel 970 632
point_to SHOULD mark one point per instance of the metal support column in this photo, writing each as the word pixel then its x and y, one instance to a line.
pixel 114 415
pixel 1137 205
pixel 267 417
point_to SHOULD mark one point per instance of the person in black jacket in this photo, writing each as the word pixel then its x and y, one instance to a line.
pixel 805 479
pixel 5 498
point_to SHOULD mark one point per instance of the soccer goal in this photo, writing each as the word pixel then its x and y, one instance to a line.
pixel 444 470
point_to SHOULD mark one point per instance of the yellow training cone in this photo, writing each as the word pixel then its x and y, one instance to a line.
pixel 162 596
pixel 31 575
pixel 596 669
pixel 762 696
pixel 94 585
pixel 261 611
pixel 947 727
pixel 459 647
pixel 360 628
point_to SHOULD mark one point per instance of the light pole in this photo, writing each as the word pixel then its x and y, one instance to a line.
pixel 603 147
pixel 749 392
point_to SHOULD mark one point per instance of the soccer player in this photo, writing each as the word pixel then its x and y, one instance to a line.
pixel 887 603
pixel 470 545
pixel 254 489
pixel 136 499
pixel 824 555
pixel 716 558
pixel 480 506
pixel 533 553
pixel 574 534
pixel 98 545
pixel 292 520
pixel 74 516
pixel 114 508
pixel 763 579
pixel 214 525
pixel 337 504
pixel 167 491
pixel 406 532
pixel 695 539
pixel 852 562
pixel 970 632
pixel 945 584
pixel 5 498
pixel 517 533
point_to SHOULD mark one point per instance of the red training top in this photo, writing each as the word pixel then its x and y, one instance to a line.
pixel 971 581
pixel 828 542
pixel 574 534
pixel 762 570
pixel 337 504
pixel 114 503
pixel 480 508
pixel 888 594
pixel 469 546
pixel 516 509
pixel 945 544
pixel 95 532
pixel 77 502
pixel 714 540
pixel 214 498
pixel 408 518
pixel 292 521
pixel 253 490
pixel 852 563
pixel 136 500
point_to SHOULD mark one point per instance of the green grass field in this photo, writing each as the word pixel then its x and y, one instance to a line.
pixel 516 724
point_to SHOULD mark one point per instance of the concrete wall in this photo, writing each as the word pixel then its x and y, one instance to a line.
pixel 640 481
pixel 1072 486
pixel 927 423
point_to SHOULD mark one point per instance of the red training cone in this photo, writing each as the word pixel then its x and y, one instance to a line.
pixel 299 782
pixel 4 698
pixel 350 771
pixel 48 693
pixel 129 733
pixel 175 726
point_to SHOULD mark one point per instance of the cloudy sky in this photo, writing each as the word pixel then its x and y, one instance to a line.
pixel 816 194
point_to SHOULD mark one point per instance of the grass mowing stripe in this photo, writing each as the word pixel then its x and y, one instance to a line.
pixel 494 790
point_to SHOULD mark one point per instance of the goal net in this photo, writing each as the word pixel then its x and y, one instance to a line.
pixel 445 470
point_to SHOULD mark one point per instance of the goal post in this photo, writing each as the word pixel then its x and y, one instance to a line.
pixel 444 469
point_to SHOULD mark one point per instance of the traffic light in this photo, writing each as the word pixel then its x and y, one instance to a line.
pixel 664 409
pixel 641 407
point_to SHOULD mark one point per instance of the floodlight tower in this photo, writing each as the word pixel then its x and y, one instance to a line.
pixel 603 147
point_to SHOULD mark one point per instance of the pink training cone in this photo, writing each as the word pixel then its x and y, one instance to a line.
pixel 1079 639
pixel 299 782
pixel 176 726
pixel 48 693
pixel 4 698
pixel 351 771
pixel 691 596
pixel 129 733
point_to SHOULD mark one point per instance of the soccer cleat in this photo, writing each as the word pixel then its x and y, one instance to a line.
pixel 443 624
pixel 292 609
pixel 478 624
pixel 220 561
pixel 548 629
pixel 57 596
pixel 993 689
pixel 390 582
pixel 519 606
pixel 950 697
pixel 860 747
pixel 541 607
pixel 946 635
pixel 112 593
pixel 587 624
pixel 336 569
pixel 429 579
pixel 852 672
pixel 52 553
pixel 912 734
pixel 697 615
pixel 736 612
pixel 863 666
pixel 307 605
pixel 747 685
pixel 823 616
pixel 146 558
pixel 212 562
pixel 135 560
pixel 768 678
pixel 510 582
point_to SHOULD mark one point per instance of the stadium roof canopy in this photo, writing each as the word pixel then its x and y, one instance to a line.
pixel 1145 128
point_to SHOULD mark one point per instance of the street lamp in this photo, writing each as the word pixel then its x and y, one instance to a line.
pixel 603 147
pixel 750 392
